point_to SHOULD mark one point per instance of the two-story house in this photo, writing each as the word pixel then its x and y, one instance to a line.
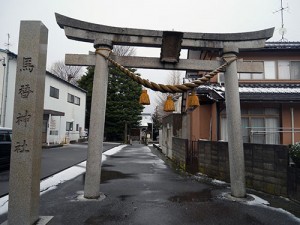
pixel 270 101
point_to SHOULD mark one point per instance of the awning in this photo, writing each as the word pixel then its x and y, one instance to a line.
pixel 53 112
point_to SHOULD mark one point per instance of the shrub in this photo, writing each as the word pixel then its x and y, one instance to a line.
pixel 295 154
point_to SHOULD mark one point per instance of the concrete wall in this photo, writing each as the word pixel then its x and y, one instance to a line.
pixel 186 127
pixel 171 127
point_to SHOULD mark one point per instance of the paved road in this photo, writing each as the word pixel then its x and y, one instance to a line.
pixel 55 160
pixel 141 189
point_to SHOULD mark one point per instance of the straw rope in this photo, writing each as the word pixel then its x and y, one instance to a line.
pixel 178 88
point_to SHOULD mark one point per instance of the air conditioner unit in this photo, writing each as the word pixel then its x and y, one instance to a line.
pixel 221 78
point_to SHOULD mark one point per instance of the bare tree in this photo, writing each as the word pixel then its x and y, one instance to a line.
pixel 68 73
pixel 175 77
pixel 121 50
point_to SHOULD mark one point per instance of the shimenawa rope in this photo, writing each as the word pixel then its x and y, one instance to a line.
pixel 162 87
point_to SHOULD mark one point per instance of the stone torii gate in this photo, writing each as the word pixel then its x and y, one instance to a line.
pixel 171 43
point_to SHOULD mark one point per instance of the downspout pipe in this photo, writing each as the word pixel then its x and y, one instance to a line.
pixel 4 93
pixel 293 126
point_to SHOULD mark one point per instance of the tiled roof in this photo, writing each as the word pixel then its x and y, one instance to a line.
pixel 259 92
pixel 270 88
pixel 283 45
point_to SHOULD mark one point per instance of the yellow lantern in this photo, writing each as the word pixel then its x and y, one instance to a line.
pixel 144 98
pixel 169 105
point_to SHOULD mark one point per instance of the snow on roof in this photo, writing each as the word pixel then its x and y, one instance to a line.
pixel 283 45
pixel 261 88
pixel 273 90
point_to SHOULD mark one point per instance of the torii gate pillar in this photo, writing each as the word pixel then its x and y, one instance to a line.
pixel 234 130
pixel 97 119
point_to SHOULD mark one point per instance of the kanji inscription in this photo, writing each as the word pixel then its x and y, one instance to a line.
pixel 25 90
pixel 21 147
pixel 23 118
pixel 27 64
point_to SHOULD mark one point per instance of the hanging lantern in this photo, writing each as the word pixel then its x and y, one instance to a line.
pixel 144 98
pixel 169 105
pixel 193 100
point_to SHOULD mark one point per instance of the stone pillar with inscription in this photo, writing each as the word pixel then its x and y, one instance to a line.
pixel 24 180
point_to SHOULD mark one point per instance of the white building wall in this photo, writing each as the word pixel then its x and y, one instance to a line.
pixel 73 113
pixel 12 67
pixel 2 81
pixel 8 80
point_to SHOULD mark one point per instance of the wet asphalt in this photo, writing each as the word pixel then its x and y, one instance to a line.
pixel 55 160
pixel 141 188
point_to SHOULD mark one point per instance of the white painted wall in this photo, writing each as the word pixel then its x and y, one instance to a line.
pixel 2 77
pixel 73 113
pixel 12 67
pixel 8 79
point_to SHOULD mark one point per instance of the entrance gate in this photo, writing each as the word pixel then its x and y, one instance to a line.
pixel 171 43
pixel 192 157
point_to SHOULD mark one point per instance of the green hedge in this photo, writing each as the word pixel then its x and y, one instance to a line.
pixel 295 154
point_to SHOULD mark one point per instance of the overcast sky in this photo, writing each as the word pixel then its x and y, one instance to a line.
pixel 213 16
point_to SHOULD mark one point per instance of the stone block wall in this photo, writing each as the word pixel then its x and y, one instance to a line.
pixel 294 183
pixel 179 147
pixel 265 165
pixel 213 159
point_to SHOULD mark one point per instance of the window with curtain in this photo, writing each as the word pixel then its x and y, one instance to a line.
pixel 295 70
pixel 259 125
pixel 272 134
pixel 257 130
pixel 270 69
pixel 284 70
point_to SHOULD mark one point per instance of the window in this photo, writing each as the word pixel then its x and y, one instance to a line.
pixel 54 92
pixel 259 125
pixel 257 76
pixel 245 76
pixel 70 98
pixel 77 127
pixel 284 70
pixel 270 69
pixel 76 100
pixel 73 99
pixel 69 126
pixel 281 69
pixel 295 70
pixel 54 132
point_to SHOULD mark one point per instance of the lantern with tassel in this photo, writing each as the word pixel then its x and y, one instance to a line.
pixel 144 98
pixel 193 100
pixel 169 105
